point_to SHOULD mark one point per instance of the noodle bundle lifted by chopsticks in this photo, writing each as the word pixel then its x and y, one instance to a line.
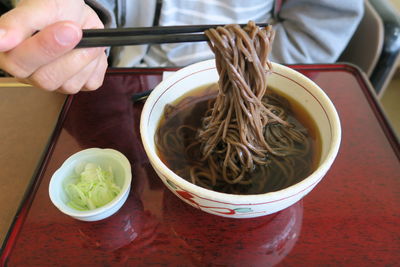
pixel 244 128
pixel 244 139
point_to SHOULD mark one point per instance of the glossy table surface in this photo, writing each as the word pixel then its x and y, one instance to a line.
pixel 351 218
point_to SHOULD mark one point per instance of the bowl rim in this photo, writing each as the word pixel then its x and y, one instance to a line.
pixel 251 199
pixel 71 160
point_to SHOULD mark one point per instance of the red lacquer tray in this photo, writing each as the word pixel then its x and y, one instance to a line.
pixel 350 219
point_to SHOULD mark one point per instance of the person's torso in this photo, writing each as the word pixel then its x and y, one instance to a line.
pixel 188 12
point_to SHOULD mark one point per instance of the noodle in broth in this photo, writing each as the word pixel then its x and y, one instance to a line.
pixel 248 141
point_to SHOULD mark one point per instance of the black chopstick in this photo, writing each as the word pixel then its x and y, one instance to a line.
pixel 147 35
pixel 141 96
pixel 153 30
pixel 140 39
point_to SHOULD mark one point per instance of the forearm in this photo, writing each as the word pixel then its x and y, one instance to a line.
pixel 314 31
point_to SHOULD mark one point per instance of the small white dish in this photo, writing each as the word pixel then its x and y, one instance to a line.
pixel 103 157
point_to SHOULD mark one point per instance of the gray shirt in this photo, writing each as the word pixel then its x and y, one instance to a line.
pixel 307 31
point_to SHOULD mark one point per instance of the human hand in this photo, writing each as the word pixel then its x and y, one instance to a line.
pixel 48 59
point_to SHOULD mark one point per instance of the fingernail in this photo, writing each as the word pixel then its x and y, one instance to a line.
pixel 66 34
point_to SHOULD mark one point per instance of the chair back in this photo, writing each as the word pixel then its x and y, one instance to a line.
pixel 366 44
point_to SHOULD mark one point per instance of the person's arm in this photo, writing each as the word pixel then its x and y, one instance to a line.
pixel 314 31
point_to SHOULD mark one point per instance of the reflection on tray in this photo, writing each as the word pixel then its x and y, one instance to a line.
pixel 262 241
pixel 136 234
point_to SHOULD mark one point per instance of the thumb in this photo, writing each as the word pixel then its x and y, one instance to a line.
pixel 23 21
pixel 41 49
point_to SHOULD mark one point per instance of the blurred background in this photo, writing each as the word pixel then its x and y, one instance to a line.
pixel 391 97
pixel 375 48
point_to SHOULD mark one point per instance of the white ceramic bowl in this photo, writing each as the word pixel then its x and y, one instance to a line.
pixel 105 158
pixel 284 79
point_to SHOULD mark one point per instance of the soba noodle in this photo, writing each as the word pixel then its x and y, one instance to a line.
pixel 246 128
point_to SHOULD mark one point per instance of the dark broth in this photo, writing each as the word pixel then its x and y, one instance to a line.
pixel 191 108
